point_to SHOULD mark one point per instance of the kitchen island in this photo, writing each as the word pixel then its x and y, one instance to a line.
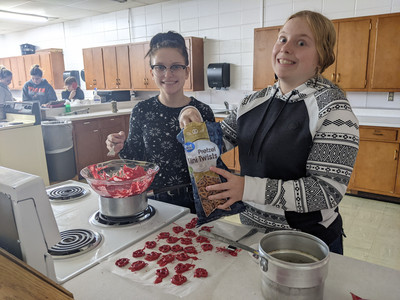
pixel 234 277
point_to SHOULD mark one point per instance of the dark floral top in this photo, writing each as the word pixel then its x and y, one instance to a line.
pixel 152 138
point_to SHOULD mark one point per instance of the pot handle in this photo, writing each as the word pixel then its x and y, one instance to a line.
pixel 263 264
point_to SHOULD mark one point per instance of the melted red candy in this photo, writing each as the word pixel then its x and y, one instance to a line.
pixel 137 265
pixel 152 256
pixel 178 279
pixel 202 239
pixel 163 235
pixel 190 249
pixel 192 223
pixel 150 244
pixel 190 233
pixel 138 253
pixel 184 257
pixel 207 247
pixel 122 262
pixel 172 239
pixel 186 241
pixel 181 268
pixel 161 273
pixel 177 248
pixel 200 272
pixel 231 252
pixel 165 248
pixel 178 229
pixel 166 259
pixel 206 228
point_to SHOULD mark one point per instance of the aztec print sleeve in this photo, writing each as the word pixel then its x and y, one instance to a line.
pixel 329 166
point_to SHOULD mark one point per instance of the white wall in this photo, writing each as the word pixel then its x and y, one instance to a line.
pixel 226 25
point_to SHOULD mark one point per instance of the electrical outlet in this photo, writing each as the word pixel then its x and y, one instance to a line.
pixel 391 96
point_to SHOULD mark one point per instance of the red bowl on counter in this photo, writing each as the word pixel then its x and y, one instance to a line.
pixel 120 178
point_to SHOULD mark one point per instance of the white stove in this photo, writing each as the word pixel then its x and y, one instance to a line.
pixel 69 215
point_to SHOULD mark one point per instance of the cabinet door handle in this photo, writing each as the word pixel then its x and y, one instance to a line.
pixel 333 77
pixel 96 130
pixel 86 123
pixel 338 77
pixel 377 133
pixel 396 152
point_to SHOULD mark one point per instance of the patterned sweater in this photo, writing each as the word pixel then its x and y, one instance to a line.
pixel 152 138
pixel 297 153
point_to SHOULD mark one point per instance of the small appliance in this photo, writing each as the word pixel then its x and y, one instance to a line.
pixel 20 114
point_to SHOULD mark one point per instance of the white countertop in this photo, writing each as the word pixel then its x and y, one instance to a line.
pixel 366 117
pixel 240 279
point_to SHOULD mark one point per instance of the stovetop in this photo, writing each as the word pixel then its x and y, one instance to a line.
pixel 76 214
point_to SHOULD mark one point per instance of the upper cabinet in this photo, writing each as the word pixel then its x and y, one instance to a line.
pixel 140 66
pixel 94 68
pixel 349 70
pixel 367 54
pixel 385 62
pixel 264 40
pixel 116 62
pixel 50 61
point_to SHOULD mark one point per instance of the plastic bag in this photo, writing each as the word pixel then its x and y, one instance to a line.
pixel 203 143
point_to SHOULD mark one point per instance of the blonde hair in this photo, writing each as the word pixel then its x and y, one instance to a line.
pixel 324 35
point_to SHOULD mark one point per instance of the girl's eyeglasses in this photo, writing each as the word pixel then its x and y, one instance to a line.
pixel 161 69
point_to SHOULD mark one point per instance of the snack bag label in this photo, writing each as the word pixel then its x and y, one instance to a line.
pixel 203 146
pixel 201 154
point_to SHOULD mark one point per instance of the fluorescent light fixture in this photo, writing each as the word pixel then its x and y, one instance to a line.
pixel 13 16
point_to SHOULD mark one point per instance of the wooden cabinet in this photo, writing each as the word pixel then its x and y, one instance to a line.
pixel 367 54
pixel 264 40
pixel 195 81
pixel 385 64
pixel 231 157
pixel 377 168
pixel 140 66
pixel 52 64
pixel 50 61
pixel 18 70
pixel 94 68
pixel 90 136
pixel 116 62
pixel 349 70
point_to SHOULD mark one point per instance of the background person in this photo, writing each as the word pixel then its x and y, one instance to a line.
pixel 154 123
pixel 73 91
pixel 38 89
pixel 5 80
pixel 298 139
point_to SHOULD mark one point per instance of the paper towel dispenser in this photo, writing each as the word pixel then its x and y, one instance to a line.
pixel 218 75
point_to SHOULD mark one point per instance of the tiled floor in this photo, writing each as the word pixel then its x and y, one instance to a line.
pixel 372 229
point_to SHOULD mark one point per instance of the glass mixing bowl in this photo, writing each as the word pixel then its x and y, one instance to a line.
pixel 120 178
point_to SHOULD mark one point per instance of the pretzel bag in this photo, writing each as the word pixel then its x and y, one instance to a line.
pixel 203 143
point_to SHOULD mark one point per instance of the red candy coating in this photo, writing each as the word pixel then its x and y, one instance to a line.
pixel 186 241
pixel 166 259
pixel 150 244
pixel 200 272
pixel 138 253
pixel 181 268
pixel 122 262
pixel 178 279
pixel 165 248
pixel 152 256
pixel 176 248
pixel 178 229
pixel 207 247
pixel 137 265
pixel 172 239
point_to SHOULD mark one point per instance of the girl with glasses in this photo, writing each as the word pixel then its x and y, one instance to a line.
pixel 154 122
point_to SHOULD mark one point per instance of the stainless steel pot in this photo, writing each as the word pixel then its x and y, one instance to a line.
pixel 123 207
pixel 294 265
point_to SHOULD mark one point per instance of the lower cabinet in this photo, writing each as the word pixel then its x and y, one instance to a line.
pixel 377 168
pixel 90 136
